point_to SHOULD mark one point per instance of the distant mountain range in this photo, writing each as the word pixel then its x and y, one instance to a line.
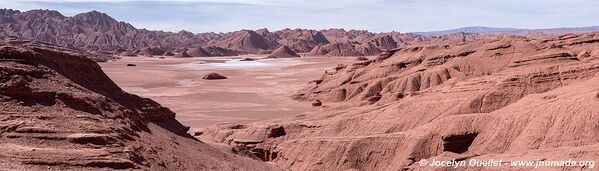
pixel 98 33
pixel 513 31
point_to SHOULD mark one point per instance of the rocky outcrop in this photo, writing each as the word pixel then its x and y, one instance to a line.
pixel 95 56
pixel 213 76
pixel 283 52
pixel 509 98
pixel 149 52
pixel 182 54
pixel 361 58
pixel 167 53
pixel 301 40
pixel 91 31
pixel 59 111
pixel 270 37
pixel 341 35
pixel 383 42
pixel 264 52
pixel 197 52
pixel 127 53
pixel 368 49
pixel 218 51
pixel 316 103
pixel 335 49
pixel 247 41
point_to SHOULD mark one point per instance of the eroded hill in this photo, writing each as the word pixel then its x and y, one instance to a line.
pixel 102 35
pixel 59 111
pixel 510 98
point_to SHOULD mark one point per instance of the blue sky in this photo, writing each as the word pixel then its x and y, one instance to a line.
pixel 374 15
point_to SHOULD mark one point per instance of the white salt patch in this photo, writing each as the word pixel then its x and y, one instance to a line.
pixel 237 64
pixel 186 83
pixel 135 89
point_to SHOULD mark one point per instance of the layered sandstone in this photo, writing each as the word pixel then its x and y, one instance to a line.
pixel 510 98
pixel 59 111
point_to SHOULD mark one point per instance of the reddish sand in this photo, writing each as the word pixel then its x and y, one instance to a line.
pixel 254 90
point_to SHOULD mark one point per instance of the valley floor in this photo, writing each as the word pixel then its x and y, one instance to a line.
pixel 254 91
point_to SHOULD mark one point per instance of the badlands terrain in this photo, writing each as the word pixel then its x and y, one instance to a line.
pixel 103 37
pixel 72 118
pixel 508 97
pixel 87 92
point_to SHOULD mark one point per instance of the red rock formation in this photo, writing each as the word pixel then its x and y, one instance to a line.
pixel 183 54
pixel 217 51
pixel 127 53
pixel 340 35
pixel 361 58
pixel 245 40
pixel 59 111
pixel 98 56
pixel 102 35
pixel 179 50
pixel 197 52
pixel 264 52
pixel 301 40
pixel 384 42
pixel 508 98
pixel 90 31
pixel 336 49
pixel 149 52
pixel 213 76
pixel 270 37
pixel 283 52
pixel 167 53
pixel 368 49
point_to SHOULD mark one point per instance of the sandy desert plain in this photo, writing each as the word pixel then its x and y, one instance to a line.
pixel 254 90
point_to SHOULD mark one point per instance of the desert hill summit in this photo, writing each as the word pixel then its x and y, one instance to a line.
pixel 509 98
pixel 283 52
pixel 100 34
pixel 197 52
pixel 245 40
pixel 59 111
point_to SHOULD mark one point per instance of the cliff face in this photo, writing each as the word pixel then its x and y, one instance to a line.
pixel 58 110
pixel 509 98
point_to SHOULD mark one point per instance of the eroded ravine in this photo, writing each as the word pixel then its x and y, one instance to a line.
pixel 508 96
